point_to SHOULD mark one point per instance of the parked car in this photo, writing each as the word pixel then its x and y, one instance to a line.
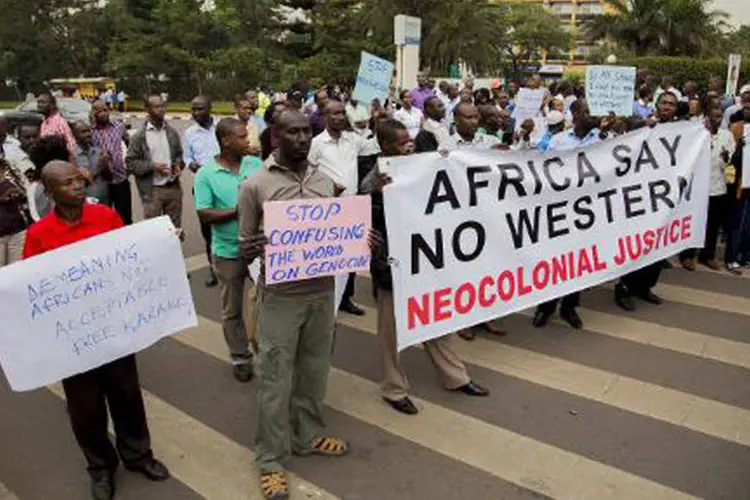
pixel 71 109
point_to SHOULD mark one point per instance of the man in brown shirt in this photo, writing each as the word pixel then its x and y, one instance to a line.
pixel 295 319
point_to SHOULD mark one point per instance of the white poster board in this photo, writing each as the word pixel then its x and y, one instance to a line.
pixel 83 305
pixel 733 73
pixel 610 89
pixel 528 104
pixel 373 79
pixel 480 234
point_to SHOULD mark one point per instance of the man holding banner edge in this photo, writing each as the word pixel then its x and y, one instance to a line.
pixel 395 140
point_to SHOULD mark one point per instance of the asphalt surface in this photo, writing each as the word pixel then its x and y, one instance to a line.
pixel 649 405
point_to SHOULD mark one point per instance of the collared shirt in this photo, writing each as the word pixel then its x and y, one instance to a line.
pixel 276 182
pixel 723 141
pixel 439 131
pixel 109 138
pixel 55 124
pixel 479 141
pixel 412 119
pixel 88 159
pixel 567 140
pixel 51 232
pixel 158 146
pixel 337 158
pixel 218 187
pixel 359 113
pixel 201 145
pixel 419 95
pixel 642 109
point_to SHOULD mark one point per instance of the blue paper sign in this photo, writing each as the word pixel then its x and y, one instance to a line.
pixel 373 79
pixel 610 89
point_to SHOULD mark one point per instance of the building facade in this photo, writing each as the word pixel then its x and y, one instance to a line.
pixel 572 15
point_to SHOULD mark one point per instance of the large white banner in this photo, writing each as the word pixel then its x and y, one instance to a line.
pixel 481 234
pixel 86 304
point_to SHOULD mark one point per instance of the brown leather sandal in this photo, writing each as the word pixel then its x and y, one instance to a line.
pixel 275 485
pixel 324 445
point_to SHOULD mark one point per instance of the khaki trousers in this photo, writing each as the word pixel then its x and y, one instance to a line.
pixel 294 357
pixel 232 274
pixel 451 370
pixel 165 200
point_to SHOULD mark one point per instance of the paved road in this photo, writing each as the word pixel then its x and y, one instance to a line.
pixel 652 405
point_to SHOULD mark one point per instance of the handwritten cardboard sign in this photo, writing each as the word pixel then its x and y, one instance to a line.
pixel 311 238
pixel 610 89
pixel 83 305
pixel 528 104
pixel 373 78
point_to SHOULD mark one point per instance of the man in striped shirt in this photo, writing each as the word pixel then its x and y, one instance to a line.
pixel 109 137
pixel 54 123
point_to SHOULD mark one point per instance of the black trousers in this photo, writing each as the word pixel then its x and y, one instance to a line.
pixel 349 289
pixel 716 218
pixel 114 385
pixel 568 302
pixel 206 232
pixel 121 201
pixel 641 281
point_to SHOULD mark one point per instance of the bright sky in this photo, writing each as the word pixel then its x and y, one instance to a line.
pixel 739 10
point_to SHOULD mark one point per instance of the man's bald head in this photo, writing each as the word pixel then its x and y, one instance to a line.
pixel 54 170
pixel 465 108
pixel 295 136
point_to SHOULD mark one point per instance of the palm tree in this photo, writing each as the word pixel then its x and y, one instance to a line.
pixel 635 24
pixel 667 27
pixel 691 27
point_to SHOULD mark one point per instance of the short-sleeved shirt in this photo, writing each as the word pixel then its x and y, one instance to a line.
pixel 276 182
pixel 55 124
pixel 51 232
pixel 337 158
pixel 217 187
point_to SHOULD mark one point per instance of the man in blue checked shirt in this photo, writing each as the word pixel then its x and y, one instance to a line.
pixel 202 147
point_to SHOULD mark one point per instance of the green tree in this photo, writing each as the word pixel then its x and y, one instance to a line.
pixel 531 31
pixel 665 27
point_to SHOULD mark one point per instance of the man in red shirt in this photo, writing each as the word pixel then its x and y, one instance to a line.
pixel 114 385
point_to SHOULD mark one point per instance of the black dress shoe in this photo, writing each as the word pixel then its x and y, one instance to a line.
pixel 572 318
pixel 623 298
pixel 468 334
pixel 473 389
pixel 350 307
pixel 211 281
pixel 152 469
pixel 243 372
pixel 651 298
pixel 102 486
pixel 403 405
pixel 541 318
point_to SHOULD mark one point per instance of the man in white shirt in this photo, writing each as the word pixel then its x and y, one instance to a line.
pixel 410 116
pixel 358 114
pixel 467 124
pixel 433 135
pixel 334 152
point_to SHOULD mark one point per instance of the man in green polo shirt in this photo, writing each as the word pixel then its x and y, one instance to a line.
pixel 216 187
